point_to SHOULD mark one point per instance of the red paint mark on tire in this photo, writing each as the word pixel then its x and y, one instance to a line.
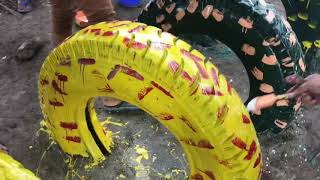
pixel 96 31
pixel 68 125
pixel 209 174
pixel 197 177
pixel 229 87
pixel 245 119
pixel 205 144
pixel 61 79
pixel 166 117
pixel 161 89
pixel 85 62
pixel 106 89
pixel 173 66
pixel 131 72
pixel 57 88
pixel 239 143
pixel 137 29
pixel 108 33
pixel 75 139
pixel 210 91
pixel 125 70
pixel 186 76
pixel 126 41
pixel 251 151
pixel 55 103
pixel 113 72
pixel 135 44
pixel 222 112
pixel 188 123
pixel 197 60
pixel 87 30
pixel 189 55
pixel 195 91
pixel 201 144
pixel 44 82
pixel 215 77
pixel 144 92
pixel 257 162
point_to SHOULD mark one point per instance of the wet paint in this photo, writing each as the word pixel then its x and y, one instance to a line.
pixel 85 62
pixel 144 92
pixel 209 174
pixel 106 89
pixel 197 60
pixel 197 177
pixel 134 44
pixel 205 144
pixel 156 85
pixel 210 91
pixel 245 119
pixel 186 76
pixel 55 103
pixel 75 139
pixel 113 72
pixel 215 76
pixel 61 79
pixel 195 91
pixel 192 6
pixel 173 66
pixel 229 87
pixel 257 162
pixel 131 73
pixel 69 125
pixel 188 123
pixel 239 143
pixel 165 116
pixel 222 112
pixel 57 88
pixel 252 150
pixel 95 31
pixel 217 15
pixel 108 33
pixel 44 82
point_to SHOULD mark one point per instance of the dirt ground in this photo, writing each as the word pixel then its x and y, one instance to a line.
pixel 292 155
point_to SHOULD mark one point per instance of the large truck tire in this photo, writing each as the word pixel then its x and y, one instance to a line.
pixel 162 75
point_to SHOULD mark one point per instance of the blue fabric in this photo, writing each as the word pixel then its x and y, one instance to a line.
pixel 130 3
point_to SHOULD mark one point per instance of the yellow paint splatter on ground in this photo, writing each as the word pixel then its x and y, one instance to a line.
pixel 108 121
pixel 143 153
pixel 141 170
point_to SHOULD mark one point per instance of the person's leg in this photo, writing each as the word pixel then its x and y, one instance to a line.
pixel 62 16
pixel 100 11
pixel 97 10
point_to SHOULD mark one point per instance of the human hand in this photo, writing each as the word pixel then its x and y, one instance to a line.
pixel 307 89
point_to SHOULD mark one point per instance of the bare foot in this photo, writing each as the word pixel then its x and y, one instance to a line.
pixel 111 102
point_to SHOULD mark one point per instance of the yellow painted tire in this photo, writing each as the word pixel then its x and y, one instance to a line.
pixel 160 74
pixel 10 169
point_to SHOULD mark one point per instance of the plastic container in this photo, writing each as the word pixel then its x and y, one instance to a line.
pixel 130 3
